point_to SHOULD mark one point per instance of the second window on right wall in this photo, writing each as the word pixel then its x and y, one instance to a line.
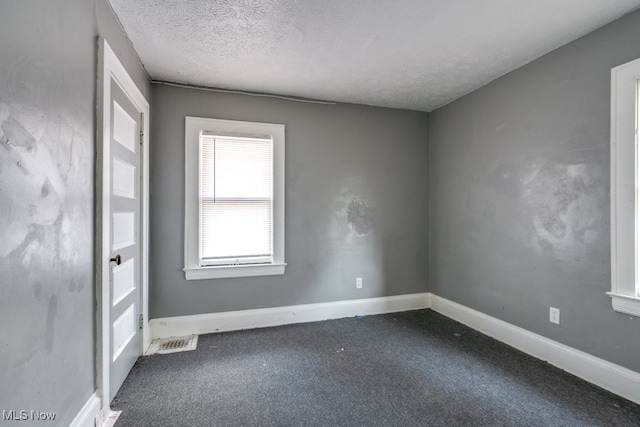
pixel 625 184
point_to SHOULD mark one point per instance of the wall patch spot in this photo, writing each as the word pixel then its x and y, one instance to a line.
pixel 360 216
pixel 15 132
pixel 46 189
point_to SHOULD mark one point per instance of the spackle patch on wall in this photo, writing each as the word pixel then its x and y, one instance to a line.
pixel 354 216
pixel 43 180
pixel 360 217
pixel 565 195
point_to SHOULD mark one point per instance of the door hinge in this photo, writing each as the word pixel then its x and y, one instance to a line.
pixel 141 137
pixel 141 320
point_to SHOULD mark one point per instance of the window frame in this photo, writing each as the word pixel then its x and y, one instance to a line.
pixel 192 268
pixel 625 209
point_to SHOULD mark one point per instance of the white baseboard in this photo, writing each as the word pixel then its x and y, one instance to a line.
pixel 88 414
pixel 247 319
pixel 621 381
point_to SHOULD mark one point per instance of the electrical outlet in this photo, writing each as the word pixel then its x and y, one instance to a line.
pixel 554 315
pixel 359 282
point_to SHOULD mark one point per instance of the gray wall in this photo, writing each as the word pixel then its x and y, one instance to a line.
pixel 336 155
pixel 519 196
pixel 47 112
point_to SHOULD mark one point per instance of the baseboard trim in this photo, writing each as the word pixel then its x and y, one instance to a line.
pixel 88 414
pixel 617 379
pixel 260 318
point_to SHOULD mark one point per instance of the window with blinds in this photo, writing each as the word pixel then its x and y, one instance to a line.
pixel 236 199
pixel 234 224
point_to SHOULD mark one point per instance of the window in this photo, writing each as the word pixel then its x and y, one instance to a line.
pixel 234 200
pixel 625 183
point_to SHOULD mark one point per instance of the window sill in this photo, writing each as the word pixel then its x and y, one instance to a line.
pixel 625 304
pixel 228 271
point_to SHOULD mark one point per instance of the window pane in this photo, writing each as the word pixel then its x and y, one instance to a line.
pixel 236 168
pixel 235 229
pixel 207 150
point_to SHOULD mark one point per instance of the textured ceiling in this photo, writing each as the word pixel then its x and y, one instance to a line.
pixel 414 54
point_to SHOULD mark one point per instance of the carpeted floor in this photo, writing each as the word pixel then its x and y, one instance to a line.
pixel 416 368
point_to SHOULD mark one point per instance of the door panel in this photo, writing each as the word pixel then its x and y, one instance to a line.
pixel 125 279
pixel 124 179
pixel 125 127
pixel 124 230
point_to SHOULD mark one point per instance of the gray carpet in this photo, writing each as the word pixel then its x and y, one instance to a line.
pixel 416 368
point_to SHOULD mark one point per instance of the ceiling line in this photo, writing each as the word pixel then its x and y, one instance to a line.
pixel 241 92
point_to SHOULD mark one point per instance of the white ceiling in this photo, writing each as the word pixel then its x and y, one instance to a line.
pixel 413 54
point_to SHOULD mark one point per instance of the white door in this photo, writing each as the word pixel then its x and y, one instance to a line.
pixel 125 241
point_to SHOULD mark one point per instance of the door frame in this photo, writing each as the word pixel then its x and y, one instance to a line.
pixel 109 67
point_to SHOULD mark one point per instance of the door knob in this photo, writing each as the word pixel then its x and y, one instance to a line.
pixel 117 259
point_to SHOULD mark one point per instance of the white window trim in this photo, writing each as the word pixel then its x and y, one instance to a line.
pixel 625 213
pixel 192 269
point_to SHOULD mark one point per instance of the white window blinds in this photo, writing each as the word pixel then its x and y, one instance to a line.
pixel 236 200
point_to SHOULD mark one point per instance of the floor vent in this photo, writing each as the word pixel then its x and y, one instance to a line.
pixel 173 344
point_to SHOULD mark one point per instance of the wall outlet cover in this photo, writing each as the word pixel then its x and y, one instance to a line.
pixel 554 315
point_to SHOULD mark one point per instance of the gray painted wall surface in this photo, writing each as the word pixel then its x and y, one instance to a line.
pixel 519 196
pixel 47 115
pixel 337 156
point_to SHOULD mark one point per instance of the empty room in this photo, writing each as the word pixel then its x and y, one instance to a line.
pixel 285 212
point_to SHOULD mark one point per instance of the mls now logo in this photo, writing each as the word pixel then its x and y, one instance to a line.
pixel 23 415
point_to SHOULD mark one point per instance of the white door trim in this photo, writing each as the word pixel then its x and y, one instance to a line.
pixel 110 67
